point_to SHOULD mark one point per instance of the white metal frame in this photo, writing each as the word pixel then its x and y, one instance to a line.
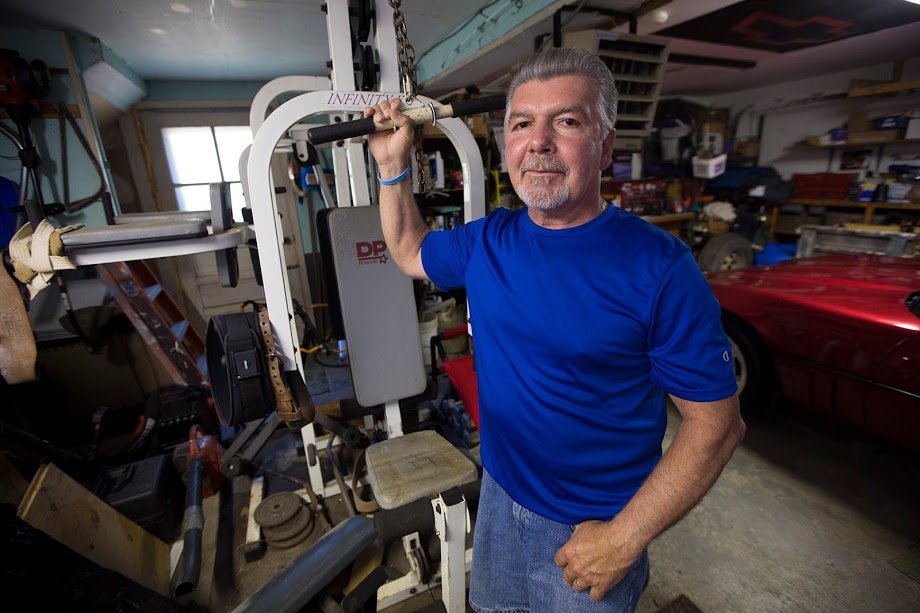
pixel 351 175
pixel 267 222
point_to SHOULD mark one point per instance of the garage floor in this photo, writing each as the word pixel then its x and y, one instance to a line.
pixel 804 518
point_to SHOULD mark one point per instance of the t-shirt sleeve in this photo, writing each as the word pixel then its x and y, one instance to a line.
pixel 690 354
pixel 445 254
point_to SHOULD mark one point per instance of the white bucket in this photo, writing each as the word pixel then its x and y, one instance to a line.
pixel 427 328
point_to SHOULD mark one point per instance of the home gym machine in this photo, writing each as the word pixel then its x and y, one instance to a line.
pixel 377 299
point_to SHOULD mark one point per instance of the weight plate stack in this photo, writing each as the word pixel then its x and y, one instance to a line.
pixel 285 520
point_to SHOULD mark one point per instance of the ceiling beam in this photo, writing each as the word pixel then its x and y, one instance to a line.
pixel 488 29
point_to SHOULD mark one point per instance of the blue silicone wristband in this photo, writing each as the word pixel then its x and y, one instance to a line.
pixel 395 179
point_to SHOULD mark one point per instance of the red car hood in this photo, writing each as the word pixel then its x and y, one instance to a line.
pixel 861 285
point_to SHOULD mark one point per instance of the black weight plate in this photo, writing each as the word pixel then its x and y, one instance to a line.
pixel 278 509
pixel 289 529
pixel 287 544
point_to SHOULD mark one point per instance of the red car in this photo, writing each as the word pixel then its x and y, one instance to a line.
pixel 836 334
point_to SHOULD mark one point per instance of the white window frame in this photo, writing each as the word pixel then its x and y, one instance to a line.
pixel 153 120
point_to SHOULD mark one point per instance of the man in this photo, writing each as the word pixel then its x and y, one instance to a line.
pixel 584 318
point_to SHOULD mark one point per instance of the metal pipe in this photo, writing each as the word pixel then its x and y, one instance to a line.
pixel 315 568
pixel 311 572
pixel 189 569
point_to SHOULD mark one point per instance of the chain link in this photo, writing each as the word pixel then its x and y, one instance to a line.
pixel 420 162
pixel 406 53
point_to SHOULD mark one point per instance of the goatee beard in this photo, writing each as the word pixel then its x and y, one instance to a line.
pixel 536 192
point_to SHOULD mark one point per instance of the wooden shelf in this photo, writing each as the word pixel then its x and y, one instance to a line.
pixel 879 89
pixel 672 222
pixel 855 205
pixel 901 141
pixel 869 207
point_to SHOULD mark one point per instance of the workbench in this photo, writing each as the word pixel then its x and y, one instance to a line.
pixel 869 208
pixel 670 223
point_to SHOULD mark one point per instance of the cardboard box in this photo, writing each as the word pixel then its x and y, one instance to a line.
pixel 871 137
pixel 859 122
pixel 714 136
pixel 913 128
pixel 823 185
pixel 476 123
pixel 708 168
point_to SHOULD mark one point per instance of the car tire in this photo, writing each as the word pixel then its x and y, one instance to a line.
pixel 728 251
pixel 752 365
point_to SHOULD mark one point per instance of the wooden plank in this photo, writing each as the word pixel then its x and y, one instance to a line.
pixel 904 206
pixel 364 565
pixel 48 111
pixel 670 223
pixel 69 513
pixel 890 87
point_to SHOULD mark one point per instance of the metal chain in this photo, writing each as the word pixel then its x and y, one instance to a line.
pixel 420 162
pixel 406 53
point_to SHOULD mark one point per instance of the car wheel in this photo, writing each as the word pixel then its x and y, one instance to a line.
pixel 727 251
pixel 753 367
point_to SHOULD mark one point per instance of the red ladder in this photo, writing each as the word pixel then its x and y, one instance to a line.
pixel 158 320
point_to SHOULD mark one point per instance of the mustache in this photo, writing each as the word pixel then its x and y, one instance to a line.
pixel 544 164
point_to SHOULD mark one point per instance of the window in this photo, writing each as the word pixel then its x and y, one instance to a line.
pixel 199 156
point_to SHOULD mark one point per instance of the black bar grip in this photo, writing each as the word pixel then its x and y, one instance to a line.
pixel 417 114
pixel 340 131
pixel 478 105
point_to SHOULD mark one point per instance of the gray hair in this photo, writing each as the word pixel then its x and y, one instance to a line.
pixel 565 61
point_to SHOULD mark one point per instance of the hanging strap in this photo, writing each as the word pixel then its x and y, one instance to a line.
pixel 285 403
pixel 18 352
pixel 36 256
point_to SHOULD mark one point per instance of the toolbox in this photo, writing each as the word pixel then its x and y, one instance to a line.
pixel 823 185
pixel 149 492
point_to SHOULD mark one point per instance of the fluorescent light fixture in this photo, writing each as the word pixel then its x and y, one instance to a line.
pixel 105 81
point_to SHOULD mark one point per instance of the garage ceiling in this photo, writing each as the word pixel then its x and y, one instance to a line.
pixel 263 39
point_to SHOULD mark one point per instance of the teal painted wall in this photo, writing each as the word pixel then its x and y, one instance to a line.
pixel 197 91
pixel 67 172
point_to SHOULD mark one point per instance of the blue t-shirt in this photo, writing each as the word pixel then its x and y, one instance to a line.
pixel 579 334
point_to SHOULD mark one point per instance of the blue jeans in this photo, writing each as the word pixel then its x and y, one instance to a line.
pixel 513 563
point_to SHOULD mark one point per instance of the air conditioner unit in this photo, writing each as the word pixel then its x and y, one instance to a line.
pixel 637 63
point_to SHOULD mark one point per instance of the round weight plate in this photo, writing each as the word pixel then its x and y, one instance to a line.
pixel 360 16
pixel 368 69
pixel 288 543
pixel 290 529
pixel 278 509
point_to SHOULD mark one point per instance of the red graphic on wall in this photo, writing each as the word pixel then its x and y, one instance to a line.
pixel 783 27
pixel 767 29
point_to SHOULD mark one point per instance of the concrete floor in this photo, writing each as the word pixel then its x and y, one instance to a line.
pixel 804 518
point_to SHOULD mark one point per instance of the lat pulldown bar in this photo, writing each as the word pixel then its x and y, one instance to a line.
pixel 419 115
